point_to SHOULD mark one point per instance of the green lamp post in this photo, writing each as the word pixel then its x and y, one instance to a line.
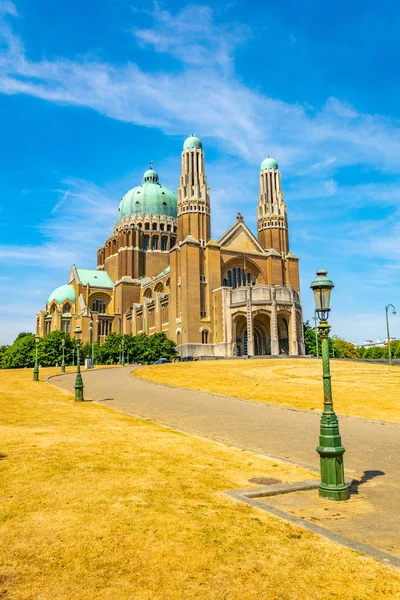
pixel 78 380
pixel 123 353
pixel 36 367
pixel 387 329
pixel 63 356
pixel 73 357
pixel 330 447
pixel 91 330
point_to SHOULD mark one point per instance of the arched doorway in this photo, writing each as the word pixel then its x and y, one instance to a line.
pixel 240 335
pixel 283 334
pixel 262 334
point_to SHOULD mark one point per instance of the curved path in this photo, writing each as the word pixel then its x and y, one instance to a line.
pixel 372 449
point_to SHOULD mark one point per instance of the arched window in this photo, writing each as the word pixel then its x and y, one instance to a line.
pixel 146 240
pixel 99 305
pixel 154 242
pixel 238 277
pixel 204 336
pixel 164 243
pixel 154 226
pixel 67 308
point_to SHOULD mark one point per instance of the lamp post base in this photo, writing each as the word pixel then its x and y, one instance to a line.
pixel 79 388
pixel 337 493
pixel 35 374
pixel 62 368
pixel 332 486
pixel 78 393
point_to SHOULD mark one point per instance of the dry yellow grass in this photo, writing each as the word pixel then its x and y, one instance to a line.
pixel 99 505
pixel 365 390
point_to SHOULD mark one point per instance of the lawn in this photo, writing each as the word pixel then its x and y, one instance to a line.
pixel 99 505
pixel 365 390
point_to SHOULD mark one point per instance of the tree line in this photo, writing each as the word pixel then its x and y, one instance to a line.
pixel 340 348
pixel 142 348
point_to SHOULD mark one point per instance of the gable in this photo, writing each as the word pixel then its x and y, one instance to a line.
pixel 240 238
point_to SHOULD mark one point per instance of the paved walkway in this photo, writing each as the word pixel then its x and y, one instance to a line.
pixel 372 449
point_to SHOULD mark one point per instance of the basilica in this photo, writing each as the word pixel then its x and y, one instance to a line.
pixel 160 271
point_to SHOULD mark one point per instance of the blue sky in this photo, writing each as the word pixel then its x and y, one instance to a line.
pixel 91 91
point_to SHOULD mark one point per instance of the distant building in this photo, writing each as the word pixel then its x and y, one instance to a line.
pixel 160 271
pixel 378 342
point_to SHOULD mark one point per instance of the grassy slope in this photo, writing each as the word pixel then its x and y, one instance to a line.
pixel 98 505
pixel 362 390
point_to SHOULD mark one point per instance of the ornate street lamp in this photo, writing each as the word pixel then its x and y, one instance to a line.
pixel 387 329
pixel 91 329
pixel 330 447
pixel 78 380
pixel 63 356
pixel 123 354
pixel 36 367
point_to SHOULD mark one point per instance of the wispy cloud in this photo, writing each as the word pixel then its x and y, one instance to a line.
pixel 205 92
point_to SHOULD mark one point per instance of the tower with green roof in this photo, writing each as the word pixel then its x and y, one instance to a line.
pixel 193 194
pixel 271 210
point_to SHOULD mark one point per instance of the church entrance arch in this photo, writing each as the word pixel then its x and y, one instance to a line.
pixel 240 335
pixel 283 333
pixel 262 334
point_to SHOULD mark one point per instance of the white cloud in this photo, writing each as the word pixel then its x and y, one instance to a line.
pixel 206 95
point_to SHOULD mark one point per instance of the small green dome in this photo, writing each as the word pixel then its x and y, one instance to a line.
pixel 62 293
pixel 150 175
pixel 268 163
pixel 149 198
pixel 192 142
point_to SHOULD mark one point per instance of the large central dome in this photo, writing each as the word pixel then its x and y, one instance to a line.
pixel 149 198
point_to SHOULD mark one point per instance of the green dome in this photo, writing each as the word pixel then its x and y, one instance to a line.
pixel 192 142
pixel 62 293
pixel 149 198
pixel 268 163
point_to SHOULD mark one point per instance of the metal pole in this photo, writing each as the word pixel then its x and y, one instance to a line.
pixel 91 328
pixel 63 356
pixel 388 332
pixel 123 355
pixel 36 367
pixel 78 380
pixel 330 447
pixel 73 357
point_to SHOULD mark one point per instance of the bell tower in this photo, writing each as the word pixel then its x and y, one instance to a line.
pixel 193 194
pixel 272 224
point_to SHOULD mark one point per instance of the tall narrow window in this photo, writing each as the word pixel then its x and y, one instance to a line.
pixel 146 240
pixel 164 242
pixel 154 242
pixel 99 305
pixel 204 337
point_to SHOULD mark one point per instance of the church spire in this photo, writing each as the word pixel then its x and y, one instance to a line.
pixel 271 210
pixel 193 194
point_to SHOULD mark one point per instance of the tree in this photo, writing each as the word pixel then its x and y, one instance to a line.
pixel 309 340
pixel 344 349
pixel 110 349
pixel 21 353
pixel 50 349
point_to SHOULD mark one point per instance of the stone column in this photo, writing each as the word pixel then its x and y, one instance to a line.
pixel 293 342
pixel 249 316
pixel 274 330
